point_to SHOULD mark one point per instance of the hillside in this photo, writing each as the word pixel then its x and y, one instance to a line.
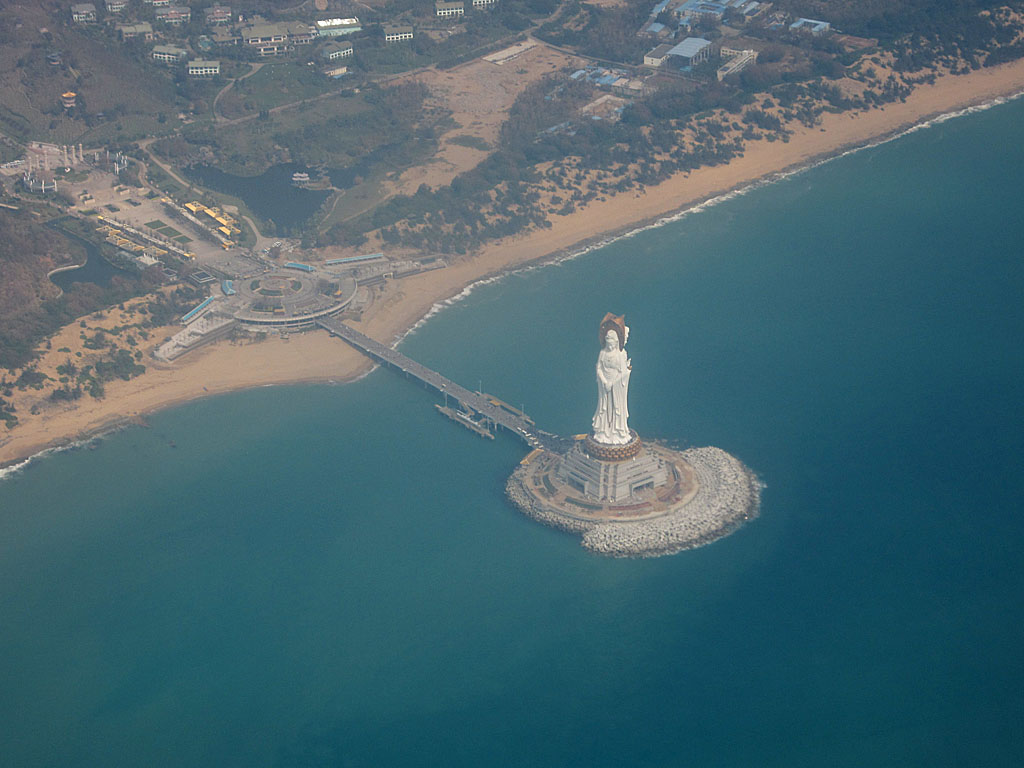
pixel 28 250
pixel 30 86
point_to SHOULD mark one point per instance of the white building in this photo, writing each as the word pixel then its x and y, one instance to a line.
pixel 218 15
pixel 656 56
pixel 337 51
pixel 143 29
pixel 449 8
pixel 116 6
pixel 693 50
pixel 484 4
pixel 83 13
pixel 738 61
pixel 813 26
pixel 174 15
pixel 169 54
pixel 337 27
pixel 203 68
pixel 394 33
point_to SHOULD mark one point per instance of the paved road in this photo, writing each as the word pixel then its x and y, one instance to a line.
pixel 256 67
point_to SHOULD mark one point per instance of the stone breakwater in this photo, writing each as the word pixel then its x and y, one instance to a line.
pixel 728 495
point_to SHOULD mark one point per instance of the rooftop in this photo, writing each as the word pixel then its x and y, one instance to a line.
pixel 328 23
pixel 691 46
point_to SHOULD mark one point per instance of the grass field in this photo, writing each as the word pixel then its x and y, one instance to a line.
pixel 156 224
pixel 275 84
pixel 335 132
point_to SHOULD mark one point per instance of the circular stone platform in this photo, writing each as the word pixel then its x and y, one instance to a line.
pixel 291 298
pixel 708 495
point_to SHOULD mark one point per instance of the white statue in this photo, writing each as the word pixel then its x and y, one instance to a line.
pixel 613 369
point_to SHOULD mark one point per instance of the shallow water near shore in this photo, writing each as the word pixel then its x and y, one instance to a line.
pixel 319 575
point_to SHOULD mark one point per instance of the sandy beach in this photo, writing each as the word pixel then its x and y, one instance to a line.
pixel 316 357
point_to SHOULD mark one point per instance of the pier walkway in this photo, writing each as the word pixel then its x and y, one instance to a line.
pixel 479 405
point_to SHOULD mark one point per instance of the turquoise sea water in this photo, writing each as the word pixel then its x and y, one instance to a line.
pixel 329 576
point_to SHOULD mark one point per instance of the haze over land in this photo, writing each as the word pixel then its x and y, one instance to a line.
pixel 453 145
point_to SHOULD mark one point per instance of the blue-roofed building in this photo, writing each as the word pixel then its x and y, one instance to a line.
pixel 813 26
pixel 354 259
pixel 192 314
pixel 692 11
pixel 692 51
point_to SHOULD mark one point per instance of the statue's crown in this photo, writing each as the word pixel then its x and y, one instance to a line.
pixel 615 323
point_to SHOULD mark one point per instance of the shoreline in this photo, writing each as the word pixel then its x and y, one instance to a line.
pixel 316 358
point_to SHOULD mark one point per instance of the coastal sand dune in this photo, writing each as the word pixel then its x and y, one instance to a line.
pixel 317 357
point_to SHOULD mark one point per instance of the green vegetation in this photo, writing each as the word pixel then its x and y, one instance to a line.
pixel 335 132
pixel 7 414
pixel 603 33
pixel 500 196
pixel 91 66
pixel 31 306
pixel 119 364
pixel 685 123
pixel 548 160
pixel 921 32
pixel 275 84
pixel 165 309
pixel 476 34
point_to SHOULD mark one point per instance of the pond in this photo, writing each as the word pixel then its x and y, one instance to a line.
pixel 95 270
pixel 271 195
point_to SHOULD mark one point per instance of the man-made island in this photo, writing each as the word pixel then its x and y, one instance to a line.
pixel 627 497
pixel 487 190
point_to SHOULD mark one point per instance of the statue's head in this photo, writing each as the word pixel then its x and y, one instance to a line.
pixel 614 324
pixel 611 340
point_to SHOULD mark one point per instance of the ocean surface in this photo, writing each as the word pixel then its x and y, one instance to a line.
pixel 330 575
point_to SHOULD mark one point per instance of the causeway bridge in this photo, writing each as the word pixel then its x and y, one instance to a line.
pixel 483 409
